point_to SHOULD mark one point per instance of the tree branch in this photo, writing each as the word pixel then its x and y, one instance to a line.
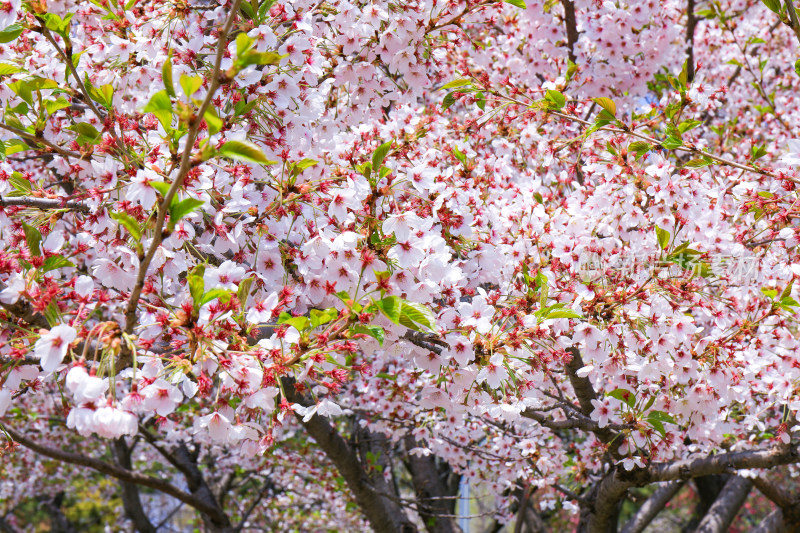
pixel 572 27
pixel 723 511
pixel 650 508
pixel 131 500
pixel 44 203
pixel 382 513
pixel 793 18
pixel 109 469
pixel 183 169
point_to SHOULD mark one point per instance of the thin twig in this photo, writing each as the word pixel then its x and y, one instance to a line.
pixel 191 136
pixel 44 203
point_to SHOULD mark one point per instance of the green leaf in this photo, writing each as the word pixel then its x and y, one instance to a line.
pixel 300 323
pixel 190 84
pixel 103 95
pixel 380 154
pixel 244 290
pixel 769 293
pixel 319 318
pixel 698 162
pixel 19 183
pixel 562 313
pixel 757 152
pixel 161 106
pixel 54 105
pixel 166 75
pixel 301 165
pixel 11 33
pixel 243 43
pixel 87 134
pixel 687 125
pixel 480 101
pixel 787 291
pixel 797 67
pixel 223 295
pixel 56 261
pixel 57 24
pixel 607 104
pixel 244 151
pixel 196 283
pixel 22 88
pixel 640 147
pixel 658 426
pixel 129 223
pixel 458 154
pixel 261 58
pixel 34 238
pixel 773 5
pixel 178 210
pixel 161 187
pixel 376 332
pixel 556 99
pixel 663 237
pixel 624 396
pixel 671 143
pixel 457 83
pixel 518 3
pixel 449 99
pixel 660 416
pixel 7 69
pixel 213 122
pixel 390 306
pixel 420 314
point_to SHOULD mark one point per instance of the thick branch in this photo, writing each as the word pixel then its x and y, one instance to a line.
pixel 724 510
pixel 572 27
pixel 585 393
pixel 691 24
pixel 718 464
pixel 432 495
pixel 131 500
pixel 654 504
pixel 383 514
pixel 109 469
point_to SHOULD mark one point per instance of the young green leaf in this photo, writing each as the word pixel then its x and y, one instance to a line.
pixel 190 84
pixel 166 75
pixel 33 238
pixel 178 210
pixel 624 396
pixel 419 314
pixel 457 83
pixel 54 262
pixel 319 318
pixel 196 284
pixel 391 307
pixel 380 154
pixel 607 104
pixel 556 99
pixel 244 151
pixel 663 237
pixel 129 223
pixel 376 332
pixel 161 106
pixel 11 33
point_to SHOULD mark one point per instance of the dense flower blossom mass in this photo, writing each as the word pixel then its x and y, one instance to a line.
pixel 341 265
